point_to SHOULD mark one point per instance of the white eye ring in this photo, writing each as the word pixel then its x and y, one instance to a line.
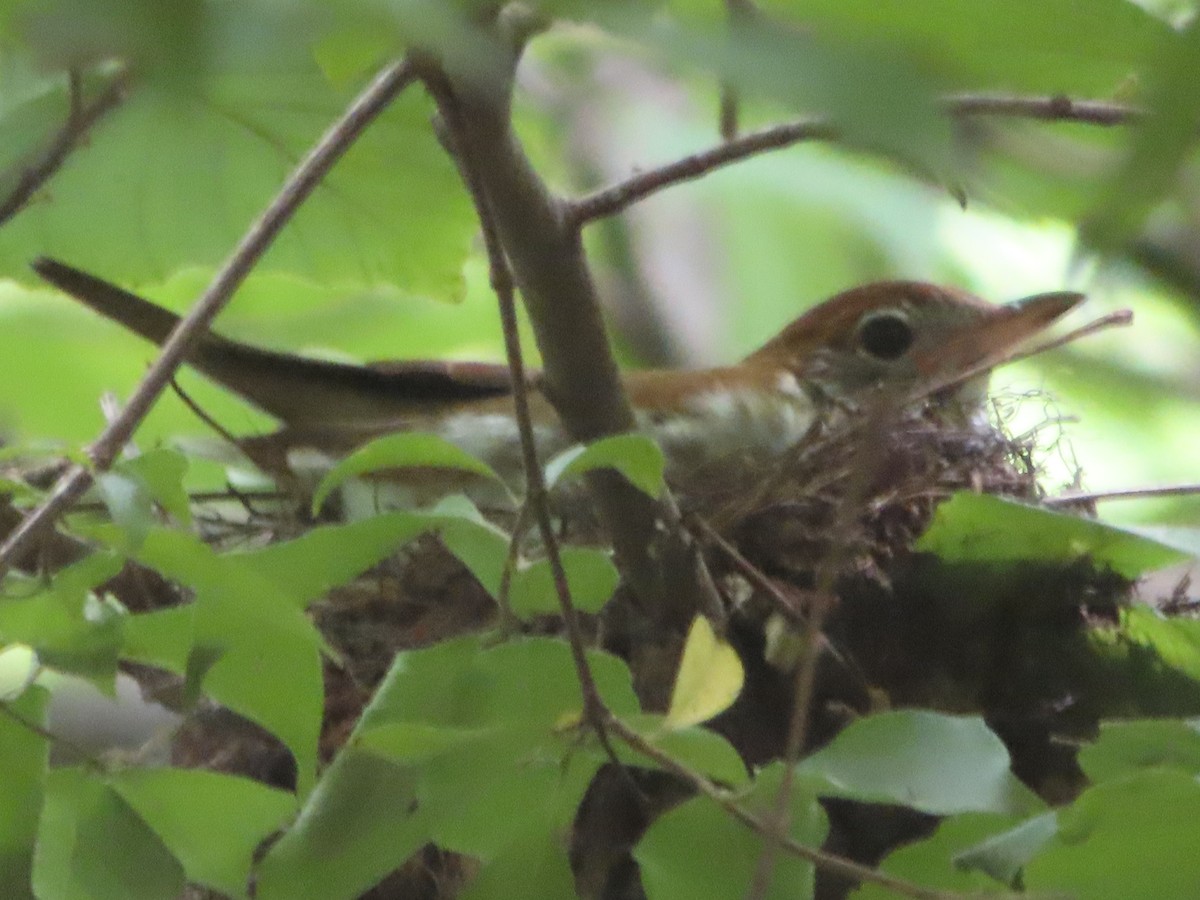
pixel 885 335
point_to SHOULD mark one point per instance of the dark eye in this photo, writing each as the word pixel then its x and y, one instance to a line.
pixel 885 336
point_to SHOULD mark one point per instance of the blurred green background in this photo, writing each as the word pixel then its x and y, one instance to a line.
pixel 384 261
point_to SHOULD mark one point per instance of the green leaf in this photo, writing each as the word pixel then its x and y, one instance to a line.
pixel 213 823
pixel 591 578
pixel 252 647
pixel 931 862
pixel 980 528
pixel 363 812
pixel 129 504
pixel 699 850
pixel 534 866
pixel 701 749
pixel 1124 748
pixel 93 846
pixel 1125 838
pixel 161 474
pixel 24 756
pixel 1005 855
pixel 70 628
pixel 635 456
pixel 406 450
pixel 930 762
pixel 710 677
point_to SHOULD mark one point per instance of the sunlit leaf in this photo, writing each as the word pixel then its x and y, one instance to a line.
pixel 161 472
pixel 709 680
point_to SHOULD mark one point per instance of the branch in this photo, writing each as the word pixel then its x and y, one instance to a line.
pixel 594 711
pixel 612 200
pixel 300 184
pixel 1057 108
pixel 657 556
pixel 80 119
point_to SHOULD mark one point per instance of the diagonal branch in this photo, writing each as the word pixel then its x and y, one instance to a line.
pixel 80 119
pixel 331 146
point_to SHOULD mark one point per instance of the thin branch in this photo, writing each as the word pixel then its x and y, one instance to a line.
pixel 80 120
pixel 331 146
pixel 1057 108
pixel 612 200
pixel 536 500
pixel 826 862
pixel 1172 490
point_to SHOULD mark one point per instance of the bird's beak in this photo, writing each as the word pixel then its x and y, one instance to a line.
pixel 988 341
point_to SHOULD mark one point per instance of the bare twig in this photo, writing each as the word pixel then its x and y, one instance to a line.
pixel 80 119
pixel 382 90
pixel 1057 108
pixel 1171 490
pixel 827 862
pixel 612 200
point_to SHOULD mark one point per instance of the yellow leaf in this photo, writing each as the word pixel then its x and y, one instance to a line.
pixel 709 680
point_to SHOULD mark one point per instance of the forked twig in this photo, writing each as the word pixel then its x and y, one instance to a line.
pixel 340 136
pixel 81 117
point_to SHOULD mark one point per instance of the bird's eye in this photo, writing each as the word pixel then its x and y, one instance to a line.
pixel 885 336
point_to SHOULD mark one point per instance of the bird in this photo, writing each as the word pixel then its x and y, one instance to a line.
pixel 907 337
